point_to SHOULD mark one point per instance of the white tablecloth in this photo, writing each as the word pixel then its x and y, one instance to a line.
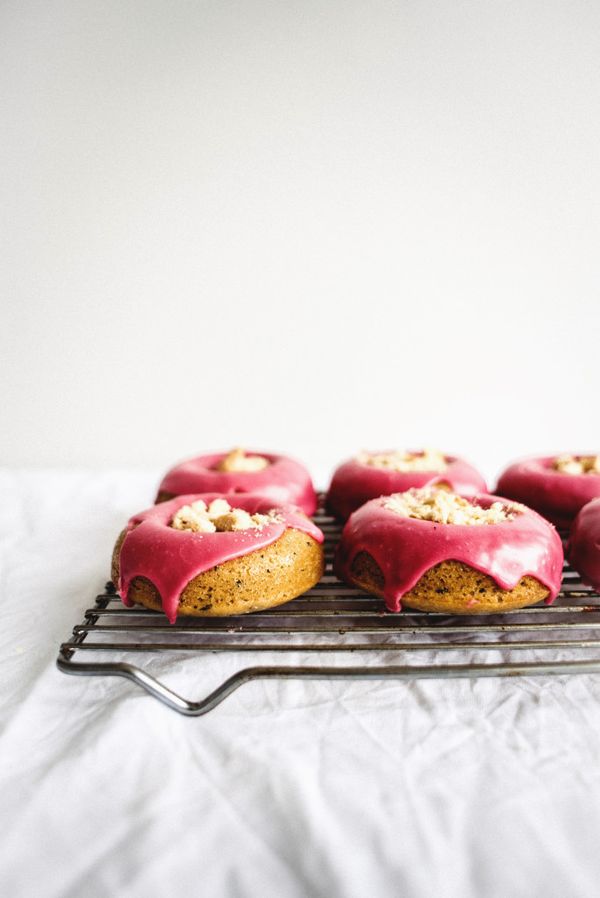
pixel 449 788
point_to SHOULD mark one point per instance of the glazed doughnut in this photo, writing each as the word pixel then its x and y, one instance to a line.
pixel 278 478
pixel 373 474
pixel 583 547
pixel 197 555
pixel 557 486
pixel 433 550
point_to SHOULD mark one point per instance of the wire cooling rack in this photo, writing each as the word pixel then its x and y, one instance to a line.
pixel 332 621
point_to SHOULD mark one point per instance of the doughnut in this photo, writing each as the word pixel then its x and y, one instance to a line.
pixel 373 474
pixel 557 486
pixel 433 550
pixel 198 555
pixel 583 546
pixel 278 478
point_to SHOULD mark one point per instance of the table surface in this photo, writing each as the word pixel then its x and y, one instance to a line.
pixel 456 788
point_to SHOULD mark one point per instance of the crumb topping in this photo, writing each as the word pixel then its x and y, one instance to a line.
pixel 577 464
pixel 428 460
pixel 237 460
pixel 219 517
pixel 443 507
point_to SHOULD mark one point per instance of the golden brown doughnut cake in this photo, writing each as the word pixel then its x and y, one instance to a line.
pixel 557 486
pixel 433 550
pixel 451 587
pixel 196 555
pixel 277 477
pixel 373 474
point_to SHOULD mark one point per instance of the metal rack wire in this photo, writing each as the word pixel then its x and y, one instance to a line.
pixel 334 620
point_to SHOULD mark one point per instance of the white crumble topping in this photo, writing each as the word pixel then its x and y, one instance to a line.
pixel 428 460
pixel 219 517
pixel 443 507
pixel 217 508
pixel 577 464
pixel 237 460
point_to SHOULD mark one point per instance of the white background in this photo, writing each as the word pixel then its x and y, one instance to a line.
pixel 304 226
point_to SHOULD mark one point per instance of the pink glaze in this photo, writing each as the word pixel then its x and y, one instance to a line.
pixel 583 547
pixel 354 483
pixel 555 495
pixel 170 558
pixel 405 548
pixel 283 481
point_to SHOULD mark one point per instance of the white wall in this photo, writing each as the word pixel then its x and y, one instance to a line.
pixel 312 226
